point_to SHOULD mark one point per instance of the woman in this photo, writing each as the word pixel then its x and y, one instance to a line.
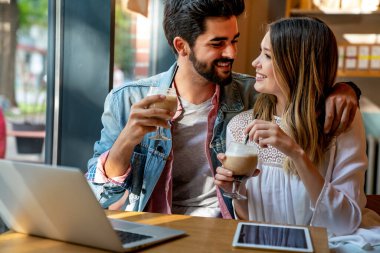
pixel 307 177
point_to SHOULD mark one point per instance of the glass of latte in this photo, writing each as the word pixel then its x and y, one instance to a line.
pixel 170 104
pixel 241 159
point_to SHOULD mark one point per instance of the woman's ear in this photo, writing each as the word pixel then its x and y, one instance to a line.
pixel 181 46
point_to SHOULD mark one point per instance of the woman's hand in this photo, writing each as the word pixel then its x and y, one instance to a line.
pixel 266 133
pixel 224 176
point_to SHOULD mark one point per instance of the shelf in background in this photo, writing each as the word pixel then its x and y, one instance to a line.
pixel 303 12
pixel 359 73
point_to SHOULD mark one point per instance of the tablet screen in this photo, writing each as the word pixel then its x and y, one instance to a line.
pixel 273 237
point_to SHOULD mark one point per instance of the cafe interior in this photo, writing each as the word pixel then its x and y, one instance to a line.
pixel 60 58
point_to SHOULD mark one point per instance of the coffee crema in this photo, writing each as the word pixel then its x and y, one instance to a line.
pixel 170 104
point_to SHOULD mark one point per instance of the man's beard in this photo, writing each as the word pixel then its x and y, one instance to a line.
pixel 210 73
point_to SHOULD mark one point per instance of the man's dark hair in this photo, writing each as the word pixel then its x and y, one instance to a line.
pixel 187 18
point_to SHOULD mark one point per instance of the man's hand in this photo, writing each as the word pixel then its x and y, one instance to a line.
pixel 341 106
pixel 143 119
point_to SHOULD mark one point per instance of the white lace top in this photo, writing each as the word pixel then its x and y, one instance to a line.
pixel 236 129
pixel 279 197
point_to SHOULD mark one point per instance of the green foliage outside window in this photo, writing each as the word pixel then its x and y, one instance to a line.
pixel 32 12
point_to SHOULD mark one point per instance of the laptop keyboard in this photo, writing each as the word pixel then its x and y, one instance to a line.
pixel 128 237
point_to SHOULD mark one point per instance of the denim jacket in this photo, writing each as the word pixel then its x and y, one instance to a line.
pixel 149 159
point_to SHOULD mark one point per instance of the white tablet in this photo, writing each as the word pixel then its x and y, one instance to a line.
pixel 275 237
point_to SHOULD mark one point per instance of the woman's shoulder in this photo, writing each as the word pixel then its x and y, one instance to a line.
pixel 238 123
pixel 354 135
pixel 246 116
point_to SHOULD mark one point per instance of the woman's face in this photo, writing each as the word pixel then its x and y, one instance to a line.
pixel 266 82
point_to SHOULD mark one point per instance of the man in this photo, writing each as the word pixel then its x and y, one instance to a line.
pixel 131 172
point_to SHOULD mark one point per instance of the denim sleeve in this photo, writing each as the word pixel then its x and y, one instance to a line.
pixel 111 130
pixel 107 192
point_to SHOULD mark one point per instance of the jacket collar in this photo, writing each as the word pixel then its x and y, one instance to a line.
pixel 234 101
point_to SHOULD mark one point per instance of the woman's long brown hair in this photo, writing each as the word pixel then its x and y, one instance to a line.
pixel 305 58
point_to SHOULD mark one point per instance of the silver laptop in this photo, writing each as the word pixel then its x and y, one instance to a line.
pixel 58 203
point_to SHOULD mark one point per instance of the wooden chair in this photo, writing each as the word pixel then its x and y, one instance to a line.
pixel 373 202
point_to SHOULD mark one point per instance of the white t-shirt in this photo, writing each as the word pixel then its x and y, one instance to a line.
pixel 194 191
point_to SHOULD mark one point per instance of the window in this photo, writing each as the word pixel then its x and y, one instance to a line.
pixel 23 50
pixel 132 41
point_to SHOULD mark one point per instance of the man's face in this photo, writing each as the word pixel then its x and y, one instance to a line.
pixel 214 51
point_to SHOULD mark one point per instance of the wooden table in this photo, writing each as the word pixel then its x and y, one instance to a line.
pixel 203 235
